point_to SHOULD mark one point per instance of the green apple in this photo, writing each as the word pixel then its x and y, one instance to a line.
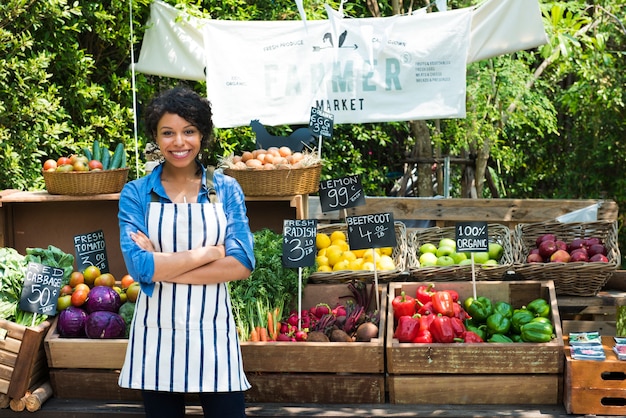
pixel 490 263
pixel 466 262
pixel 445 250
pixel 447 242
pixel 458 257
pixel 445 260
pixel 481 257
pixel 428 259
pixel 429 247
pixel 495 251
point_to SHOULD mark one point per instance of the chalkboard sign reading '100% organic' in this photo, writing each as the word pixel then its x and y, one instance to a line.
pixel 299 242
pixel 42 285
pixel 371 231
pixel 91 250
pixel 341 193
pixel 472 237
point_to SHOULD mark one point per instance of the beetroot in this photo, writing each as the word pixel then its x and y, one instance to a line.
pixel 103 298
pixel 105 324
pixel 72 322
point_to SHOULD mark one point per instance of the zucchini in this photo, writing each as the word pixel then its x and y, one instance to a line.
pixel 106 158
pixel 88 153
pixel 96 151
pixel 116 160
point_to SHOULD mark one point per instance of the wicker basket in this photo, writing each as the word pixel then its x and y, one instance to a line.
pixel 398 255
pixel 82 183
pixel 497 233
pixel 575 278
pixel 278 182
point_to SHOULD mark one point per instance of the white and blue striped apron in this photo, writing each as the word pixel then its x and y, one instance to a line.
pixel 183 338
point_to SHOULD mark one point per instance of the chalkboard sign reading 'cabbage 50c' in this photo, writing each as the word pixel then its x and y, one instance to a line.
pixel 342 193
pixel 472 237
pixel 299 242
pixel 321 123
pixel 91 250
pixel 42 285
pixel 371 231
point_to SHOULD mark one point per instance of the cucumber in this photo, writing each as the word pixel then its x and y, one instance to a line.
pixel 96 151
pixel 106 158
pixel 123 165
pixel 88 153
pixel 118 155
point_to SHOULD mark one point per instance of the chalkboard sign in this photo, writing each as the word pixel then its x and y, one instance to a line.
pixel 91 250
pixel 371 231
pixel 42 285
pixel 472 236
pixel 299 242
pixel 321 123
pixel 342 193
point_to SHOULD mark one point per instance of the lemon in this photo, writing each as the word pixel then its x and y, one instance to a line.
pixel 321 252
pixel 324 269
pixel 322 241
pixel 349 255
pixel 359 253
pixel 334 254
pixel 321 260
pixel 385 263
pixel 369 254
pixel 386 251
pixel 356 264
pixel 368 265
pixel 341 265
pixel 341 244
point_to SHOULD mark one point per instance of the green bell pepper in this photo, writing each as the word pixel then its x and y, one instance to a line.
pixel 498 324
pixel 499 338
pixel 539 307
pixel 516 338
pixel 479 309
pixel 519 318
pixel 504 308
pixel 480 330
pixel 537 332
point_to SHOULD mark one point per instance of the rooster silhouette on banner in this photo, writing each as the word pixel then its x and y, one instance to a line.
pixel 296 141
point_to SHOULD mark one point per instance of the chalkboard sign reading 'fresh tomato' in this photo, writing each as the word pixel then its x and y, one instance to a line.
pixel 42 285
pixel 299 242
pixel 371 231
pixel 91 250
pixel 341 193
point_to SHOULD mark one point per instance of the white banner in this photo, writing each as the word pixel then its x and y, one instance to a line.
pixel 360 70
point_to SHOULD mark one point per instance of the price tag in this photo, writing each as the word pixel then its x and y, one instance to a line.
pixel 342 193
pixel 91 250
pixel 472 237
pixel 42 286
pixel 321 123
pixel 371 231
pixel 299 242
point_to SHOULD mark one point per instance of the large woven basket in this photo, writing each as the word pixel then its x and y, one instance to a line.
pixel 278 182
pixel 497 233
pixel 83 183
pixel 341 276
pixel 574 278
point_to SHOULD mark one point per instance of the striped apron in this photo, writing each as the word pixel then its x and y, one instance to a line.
pixel 183 338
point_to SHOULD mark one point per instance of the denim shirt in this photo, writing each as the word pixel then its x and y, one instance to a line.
pixel 135 199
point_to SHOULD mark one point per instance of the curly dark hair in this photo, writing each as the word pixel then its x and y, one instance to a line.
pixel 185 103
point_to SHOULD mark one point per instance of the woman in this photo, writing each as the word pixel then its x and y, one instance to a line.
pixel 184 234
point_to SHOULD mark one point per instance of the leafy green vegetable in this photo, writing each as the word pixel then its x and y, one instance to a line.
pixel 52 257
pixel 270 286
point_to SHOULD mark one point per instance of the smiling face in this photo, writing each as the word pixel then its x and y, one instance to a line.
pixel 178 140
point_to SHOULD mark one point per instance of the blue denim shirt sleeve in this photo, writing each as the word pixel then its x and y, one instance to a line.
pixel 133 213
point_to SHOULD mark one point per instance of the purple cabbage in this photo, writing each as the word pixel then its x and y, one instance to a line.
pixel 103 298
pixel 105 324
pixel 72 322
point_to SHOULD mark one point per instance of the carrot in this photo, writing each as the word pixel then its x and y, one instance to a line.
pixel 262 333
pixel 254 335
pixel 271 327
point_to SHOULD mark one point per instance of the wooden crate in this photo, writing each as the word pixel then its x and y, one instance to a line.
pixel 22 357
pixel 523 373
pixel 595 387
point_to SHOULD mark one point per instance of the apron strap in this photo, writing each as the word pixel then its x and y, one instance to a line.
pixel 209 183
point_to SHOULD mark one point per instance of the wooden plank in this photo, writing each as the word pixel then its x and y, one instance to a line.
pixel 603 327
pixel 32 347
pixel 90 384
pixel 543 389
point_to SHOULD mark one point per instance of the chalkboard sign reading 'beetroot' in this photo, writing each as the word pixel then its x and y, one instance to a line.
pixel 42 285
pixel 371 231
pixel 91 250
pixel 299 242
pixel 341 193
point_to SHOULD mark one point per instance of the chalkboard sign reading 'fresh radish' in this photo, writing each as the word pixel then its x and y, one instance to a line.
pixel 371 231
pixel 299 242
pixel 42 285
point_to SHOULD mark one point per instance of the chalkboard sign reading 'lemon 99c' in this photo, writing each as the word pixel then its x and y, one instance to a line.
pixel 91 250
pixel 341 193
pixel 299 242
pixel 371 231
pixel 42 285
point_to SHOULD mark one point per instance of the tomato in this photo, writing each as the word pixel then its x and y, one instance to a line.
pixel 64 161
pixel 121 292
pixel 82 286
pixel 50 165
pixel 105 279
pixel 64 302
pixel 80 165
pixel 90 273
pixel 65 167
pixel 79 297
pixel 133 292
pixel 66 290
pixel 95 165
pixel 75 278
pixel 127 280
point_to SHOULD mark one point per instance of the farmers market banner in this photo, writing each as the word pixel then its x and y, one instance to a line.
pixel 361 70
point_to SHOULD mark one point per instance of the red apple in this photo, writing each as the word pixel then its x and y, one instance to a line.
pixel 599 258
pixel 579 255
pixel 534 251
pixel 596 249
pixel 544 237
pixel 592 240
pixel 547 248
pixel 534 258
pixel 576 243
pixel 560 256
pixel 561 245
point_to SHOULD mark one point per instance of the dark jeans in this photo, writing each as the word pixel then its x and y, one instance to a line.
pixel 214 405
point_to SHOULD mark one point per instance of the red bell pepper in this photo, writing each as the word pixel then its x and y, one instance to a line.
pixel 424 293
pixel 407 329
pixel 403 305
pixel 457 326
pixel 426 308
pixel 454 294
pixel 472 337
pixel 423 336
pixel 459 312
pixel 441 329
pixel 426 320
pixel 443 303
